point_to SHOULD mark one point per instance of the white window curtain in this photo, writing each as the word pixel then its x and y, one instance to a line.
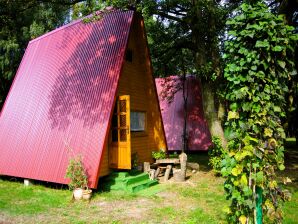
pixel 137 121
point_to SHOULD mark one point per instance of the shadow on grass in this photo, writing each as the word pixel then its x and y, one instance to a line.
pixel 35 182
pixel 291 162
pixel 201 158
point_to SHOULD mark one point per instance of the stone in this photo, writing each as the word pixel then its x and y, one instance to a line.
pixel 193 166
pixel 178 175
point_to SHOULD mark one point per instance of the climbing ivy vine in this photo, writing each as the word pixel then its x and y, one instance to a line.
pixel 259 66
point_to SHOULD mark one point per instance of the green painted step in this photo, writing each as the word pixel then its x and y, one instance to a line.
pixel 141 185
pixel 120 175
pixel 129 181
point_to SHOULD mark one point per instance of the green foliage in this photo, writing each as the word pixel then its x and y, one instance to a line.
pixel 76 173
pixel 259 65
pixel 98 15
pixel 216 154
pixel 19 24
pixel 159 154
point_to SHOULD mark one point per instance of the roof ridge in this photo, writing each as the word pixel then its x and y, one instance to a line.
pixel 111 10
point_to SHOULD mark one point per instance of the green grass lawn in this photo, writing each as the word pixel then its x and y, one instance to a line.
pixel 199 200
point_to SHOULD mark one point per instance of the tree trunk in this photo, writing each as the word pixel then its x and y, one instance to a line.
pixel 185 97
pixel 207 51
pixel 211 112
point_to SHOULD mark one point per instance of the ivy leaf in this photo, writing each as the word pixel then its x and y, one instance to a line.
pixel 242 219
pixel 276 109
pixel 237 170
pixel 233 115
pixel 277 48
pixel 246 107
pixel 255 165
pixel 281 167
pixel 247 192
pixel 272 184
pixel 242 154
pixel 259 177
pixel 256 107
pixel 243 180
pixel 265 64
pixel 260 43
pixel 268 132
pixel 281 63
pixel 236 183
pixel 254 68
pixel 234 106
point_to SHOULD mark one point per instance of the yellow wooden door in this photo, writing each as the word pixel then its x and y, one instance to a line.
pixel 120 148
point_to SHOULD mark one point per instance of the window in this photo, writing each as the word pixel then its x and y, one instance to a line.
pixel 137 121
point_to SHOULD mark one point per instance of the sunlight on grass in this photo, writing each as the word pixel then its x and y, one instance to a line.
pixel 116 195
pixel 201 199
pixel 17 199
pixel 290 210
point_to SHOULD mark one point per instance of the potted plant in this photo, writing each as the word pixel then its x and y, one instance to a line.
pixel 87 193
pixel 78 177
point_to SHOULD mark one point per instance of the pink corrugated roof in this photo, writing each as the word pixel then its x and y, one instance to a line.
pixel 63 92
pixel 171 102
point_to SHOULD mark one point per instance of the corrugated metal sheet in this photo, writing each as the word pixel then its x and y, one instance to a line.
pixel 171 102
pixel 63 92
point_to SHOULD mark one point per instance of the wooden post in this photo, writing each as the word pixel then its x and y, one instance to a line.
pixel 167 173
pixel 146 167
pixel 28 182
pixel 156 173
pixel 183 161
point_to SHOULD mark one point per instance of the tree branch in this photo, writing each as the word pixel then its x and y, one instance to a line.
pixel 170 17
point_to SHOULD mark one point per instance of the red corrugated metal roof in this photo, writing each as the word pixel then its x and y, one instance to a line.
pixel 63 91
pixel 171 102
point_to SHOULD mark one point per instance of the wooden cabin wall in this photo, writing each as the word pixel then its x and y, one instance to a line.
pixel 104 165
pixel 136 80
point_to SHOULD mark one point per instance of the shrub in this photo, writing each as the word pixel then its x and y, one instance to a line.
pixel 76 173
pixel 159 154
pixel 216 154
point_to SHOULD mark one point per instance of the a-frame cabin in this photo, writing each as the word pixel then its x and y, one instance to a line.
pixel 172 110
pixel 87 85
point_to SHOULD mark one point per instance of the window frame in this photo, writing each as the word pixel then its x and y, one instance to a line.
pixel 139 132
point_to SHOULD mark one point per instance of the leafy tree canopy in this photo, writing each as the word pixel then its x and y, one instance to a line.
pixel 19 23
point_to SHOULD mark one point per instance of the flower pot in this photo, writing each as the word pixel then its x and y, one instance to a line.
pixel 78 193
pixel 87 194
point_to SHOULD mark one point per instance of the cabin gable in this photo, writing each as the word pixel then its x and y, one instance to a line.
pixel 136 80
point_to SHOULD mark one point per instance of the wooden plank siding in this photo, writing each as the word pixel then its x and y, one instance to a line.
pixel 137 81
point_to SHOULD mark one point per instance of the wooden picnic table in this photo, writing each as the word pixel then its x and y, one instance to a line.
pixel 172 161
pixel 166 164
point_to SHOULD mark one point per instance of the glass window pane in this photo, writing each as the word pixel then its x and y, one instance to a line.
pixel 137 121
